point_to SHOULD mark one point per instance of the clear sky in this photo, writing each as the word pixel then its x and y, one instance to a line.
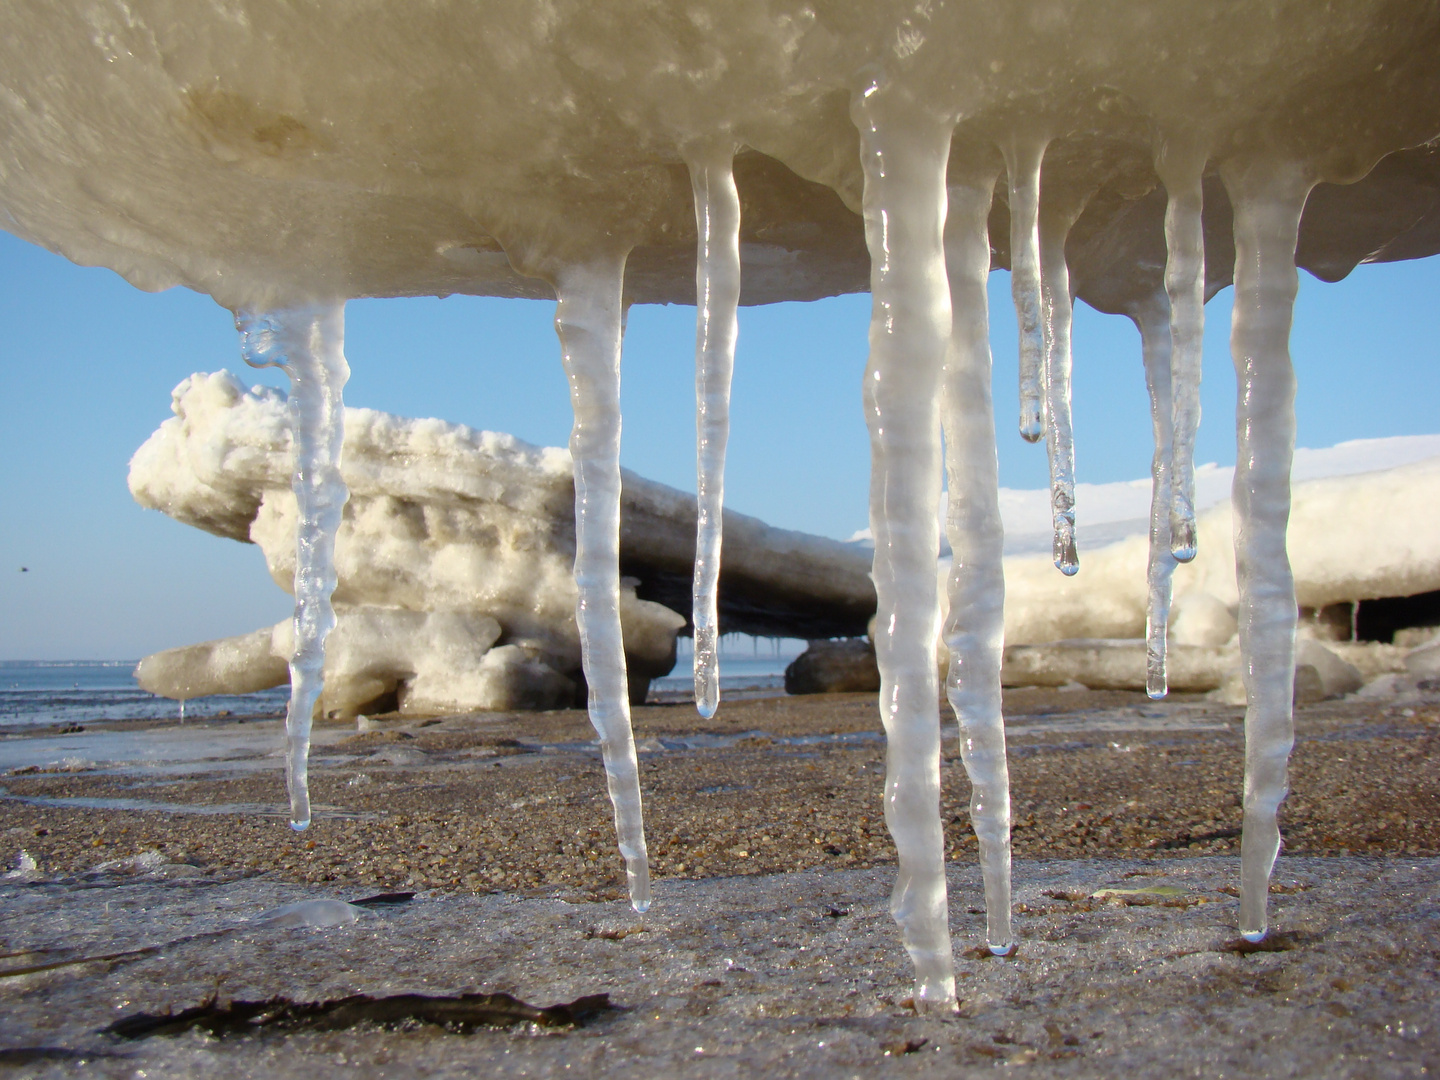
pixel 87 364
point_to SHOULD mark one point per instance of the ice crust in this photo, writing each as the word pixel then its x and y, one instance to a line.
pixel 1353 537
pixel 277 156
pixel 454 559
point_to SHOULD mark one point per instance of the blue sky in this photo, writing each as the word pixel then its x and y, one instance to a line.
pixel 87 364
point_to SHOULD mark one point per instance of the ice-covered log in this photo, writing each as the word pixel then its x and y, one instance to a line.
pixel 444 519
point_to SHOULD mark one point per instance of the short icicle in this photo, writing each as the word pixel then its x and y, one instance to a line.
pixel 590 321
pixel 717 298
pixel 308 343
pixel 1023 155
pixel 1268 197
pixel 904 154
pixel 1152 319
pixel 1181 165
pixel 1057 311
pixel 975 629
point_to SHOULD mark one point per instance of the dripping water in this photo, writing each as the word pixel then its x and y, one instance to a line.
pixel 975 629
pixel 1181 165
pixel 717 297
pixel 904 156
pixel 1152 319
pixel 1023 155
pixel 1268 197
pixel 590 322
pixel 307 342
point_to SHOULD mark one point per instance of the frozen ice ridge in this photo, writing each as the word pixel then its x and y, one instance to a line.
pixel 454 560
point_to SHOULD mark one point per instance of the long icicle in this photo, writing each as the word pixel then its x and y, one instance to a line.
pixel 1152 319
pixel 904 155
pixel 1057 311
pixel 1269 197
pixel 590 321
pixel 1023 155
pixel 1181 165
pixel 717 298
pixel 975 630
pixel 308 343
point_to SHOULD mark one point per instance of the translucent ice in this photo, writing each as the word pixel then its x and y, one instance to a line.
pixel 1057 215
pixel 1152 318
pixel 308 343
pixel 1268 195
pixel 717 295
pixel 1180 163
pixel 590 321
pixel 316 913
pixel 1023 154
pixel 904 154
pixel 974 630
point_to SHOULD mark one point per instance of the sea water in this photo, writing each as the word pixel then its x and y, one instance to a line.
pixel 63 692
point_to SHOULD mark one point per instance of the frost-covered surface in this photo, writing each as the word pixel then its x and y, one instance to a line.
pixel 454 556
pixel 793 975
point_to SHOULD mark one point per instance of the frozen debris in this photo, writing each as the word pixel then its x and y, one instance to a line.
pixel 315 913
pixel 25 867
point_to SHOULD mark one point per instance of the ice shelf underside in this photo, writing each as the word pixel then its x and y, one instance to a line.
pixel 395 152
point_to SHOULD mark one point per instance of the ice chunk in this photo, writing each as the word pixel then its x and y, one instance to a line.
pixel 316 913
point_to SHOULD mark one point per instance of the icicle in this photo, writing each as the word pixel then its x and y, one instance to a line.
pixel 1268 197
pixel 904 155
pixel 1181 165
pixel 308 343
pixel 1057 310
pixel 1152 319
pixel 590 322
pixel 1023 155
pixel 717 296
pixel 975 631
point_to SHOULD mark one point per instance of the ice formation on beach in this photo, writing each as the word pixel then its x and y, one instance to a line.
pixel 717 298
pixel 236 149
pixel 453 559
pixel 308 344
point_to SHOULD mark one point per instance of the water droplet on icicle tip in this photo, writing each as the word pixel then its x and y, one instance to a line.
pixel 300 826
pixel 589 319
pixel 1067 556
pixel 1254 937
pixel 717 298
pixel 1183 544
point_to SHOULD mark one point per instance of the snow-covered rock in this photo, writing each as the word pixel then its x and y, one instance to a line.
pixel 454 559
